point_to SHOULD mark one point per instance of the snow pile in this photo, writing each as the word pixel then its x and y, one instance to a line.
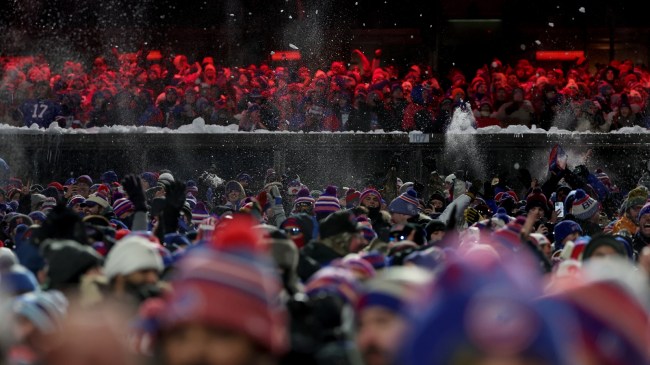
pixel 462 122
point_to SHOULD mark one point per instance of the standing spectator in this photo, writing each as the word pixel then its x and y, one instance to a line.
pixel 41 109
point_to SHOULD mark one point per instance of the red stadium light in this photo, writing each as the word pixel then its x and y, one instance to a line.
pixel 559 55
pixel 285 56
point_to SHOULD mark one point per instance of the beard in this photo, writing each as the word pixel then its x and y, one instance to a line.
pixel 373 355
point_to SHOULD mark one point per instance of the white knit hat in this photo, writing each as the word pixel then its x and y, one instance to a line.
pixel 131 254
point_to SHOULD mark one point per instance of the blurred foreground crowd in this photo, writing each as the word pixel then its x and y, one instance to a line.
pixel 148 269
pixel 149 89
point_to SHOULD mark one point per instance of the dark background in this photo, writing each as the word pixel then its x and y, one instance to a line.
pixel 460 33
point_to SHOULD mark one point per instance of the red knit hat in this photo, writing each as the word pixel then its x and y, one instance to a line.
pixel 231 283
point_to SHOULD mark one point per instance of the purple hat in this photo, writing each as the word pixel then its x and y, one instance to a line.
pixel 122 206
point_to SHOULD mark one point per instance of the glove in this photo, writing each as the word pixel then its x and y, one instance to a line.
pixel 133 187
pixel 471 216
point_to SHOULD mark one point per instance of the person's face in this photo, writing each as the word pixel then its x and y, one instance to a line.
pixel 83 189
pixel 609 75
pixel 197 343
pixel 625 111
pixel 371 201
pixel 92 208
pixel 378 335
pixel 634 212
pixel 233 196
pixel 399 218
pixel 437 204
pixel 171 97
pixel 604 251
pixel 77 208
pixel 501 94
pixel 537 212
pixel 143 277
pixel 481 89
pixel 436 236
pixel 517 96
pixel 190 97
pixel 572 237
pixel 644 225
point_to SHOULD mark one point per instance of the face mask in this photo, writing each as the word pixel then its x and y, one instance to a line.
pixel 485 113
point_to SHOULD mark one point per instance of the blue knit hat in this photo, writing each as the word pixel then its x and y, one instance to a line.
pixel 406 203
pixel 395 288
pixel 45 310
pixel 109 177
pixel 563 229
pixel 17 280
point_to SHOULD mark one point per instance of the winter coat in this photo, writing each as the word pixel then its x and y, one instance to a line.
pixel 313 257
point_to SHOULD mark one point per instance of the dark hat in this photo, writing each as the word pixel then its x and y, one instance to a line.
pixel 337 223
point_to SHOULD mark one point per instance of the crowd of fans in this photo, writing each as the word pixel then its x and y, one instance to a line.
pixel 149 89
pixel 460 270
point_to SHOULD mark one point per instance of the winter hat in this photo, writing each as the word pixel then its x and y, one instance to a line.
pixel 470 307
pixel 584 206
pixel 337 281
pixel 67 261
pixel 7 258
pixel 636 196
pixel 85 179
pixel 150 177
pixel 45 310
pixel 233 270
pixel 337 223
pixel 109 177
pixel 563 229
pixel 293 187
pixel 603 240
pixel 509 237
pixel 17 280
pixel 122 206
pixel 199 213
pixel 77 199
pixel 366 229
pixel 190 187
pixel 97 199
pixel 645 210
pixel 536 199
pixel 327 203
pixel 37 199
pixel 303 197
pixel 37 216
pixel 369 191
pixel 361 268
pixel 190 200
pixel 395 288
pixel 131 254
pixel 305 224
pixel 406 203
pixel 539 239
pixel 166 177
pixel 375 258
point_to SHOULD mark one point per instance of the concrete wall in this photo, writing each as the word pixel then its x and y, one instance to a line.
pixel 343 159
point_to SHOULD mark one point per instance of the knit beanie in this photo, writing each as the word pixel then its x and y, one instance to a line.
pixel 406 203
pixel 395 288
pixel 303 197
pixel 584 206
pixel 233 270
pixel 636 196
pixel 563 229
pixel 536 199
pixel 645 210
pixel 131 254
pixel 199 213
pixel 327 203
pixel 122 206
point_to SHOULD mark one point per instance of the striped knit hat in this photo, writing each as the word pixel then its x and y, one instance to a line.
pixel 327 203
pixel 199 213
pixel 584 206
pixel 303 197
pixel 406 203
pixel 234 270
pixel 395 288
pixel 122 206
pixel 77 199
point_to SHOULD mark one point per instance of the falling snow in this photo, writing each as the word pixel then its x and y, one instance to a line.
pixel 582 9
